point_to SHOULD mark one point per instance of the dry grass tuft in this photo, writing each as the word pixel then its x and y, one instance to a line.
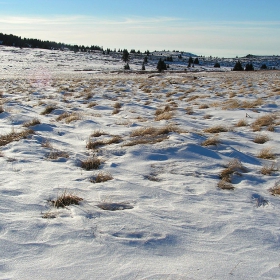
pixel 261 139
pixel 146 140
pixel 47 144
pixel 92 104
pixel 48 109
pixel 265 120
pixel 269 169
pixel 212 141
pixel 203 106
pixel 266 154
pixel 115 111
pixel 224 185
pixel 216 129
pixel 65 200
pixel 57 154
pixel 91 163
pixel 276 189
pixel 153 131
pixel 164 116
pixel 102 177
pixel 2 109
pixel 241 123
pixel 14 136
pixel 96 144
pixel 233 167
pixel 117 105
pixel 32 123
pixel 98 133
pixel 189 110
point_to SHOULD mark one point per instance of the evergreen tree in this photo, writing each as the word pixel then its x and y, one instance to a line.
pixel 161 65
pixel 143 66
pixel 190 61
pixel 263 67
pixel 126 67
pixel 249 67
pixel 217 65
pixel 196 61
pixel 238 66
pixel 125 56
pixel 145 59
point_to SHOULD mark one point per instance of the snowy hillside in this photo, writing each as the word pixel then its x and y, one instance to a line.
pixel 174 175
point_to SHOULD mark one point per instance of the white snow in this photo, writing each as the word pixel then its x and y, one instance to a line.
pixel 178 224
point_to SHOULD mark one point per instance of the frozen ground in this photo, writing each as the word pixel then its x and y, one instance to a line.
pixel 171 220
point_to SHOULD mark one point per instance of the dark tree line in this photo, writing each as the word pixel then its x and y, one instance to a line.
pixel 17 41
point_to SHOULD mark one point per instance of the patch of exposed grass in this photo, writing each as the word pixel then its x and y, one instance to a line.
pixel 66 199
pixel 32 123
pixel 203 106
pixel 216 129
pixel 224 185
pixel 92 104
pixel 98 143
pixel 266 153
pixel 102 177
pixel 14 136
pixel 91 163
pixel 212 141
pixel 269 169
pixel 233 167
pixel 2 109
pixel 154 131
pixel 276 189
pixel 164 116
pixel 265 120
pixel 48 109
pixel 146 140
pixel 261 139
pixel 55 154
pixel 98 133
pixel 241 123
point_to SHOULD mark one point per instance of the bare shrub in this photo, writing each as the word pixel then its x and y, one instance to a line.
pixel 276 189
pixel 266 153
pixel 14 136
pixel 66 199
pixel 261 139
pixel 216 129
pixel 32 123
pixel 102 177
pixel 91 163
pixel 212 141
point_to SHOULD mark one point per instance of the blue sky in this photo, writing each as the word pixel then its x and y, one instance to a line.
pixel 226 28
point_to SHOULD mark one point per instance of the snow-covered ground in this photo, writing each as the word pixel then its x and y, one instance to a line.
pixel 171 220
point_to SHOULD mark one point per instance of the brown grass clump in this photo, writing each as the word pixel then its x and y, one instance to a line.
pixel 102 177
pixel 62 116
pixel 212 141
pixel 203 106
pixel 216 129
pixel 241 123
pixel 65 200
pixel 115 111
pixel 48 109
pixel 164 116
pixel 233 167
pixel 271 128
pixel 153 131
pixel 192 98
pixel 47 144
pixel 167 108
pixel 57 154
pixel 96 144
pixel 92 104
pixel 224 185
pixel 146 140
pixel 261 139
pixel 276 189
pixel 98 133
pixel 117 105
pixel 1 109
pixel 266 154
pixel 32 123
pixel 269 169
pixel 265 120
pixel 14 136
pixel 189 110
pixel 91 163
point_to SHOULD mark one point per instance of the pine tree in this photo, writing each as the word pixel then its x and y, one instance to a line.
pixel 238 66
pixel 161 65
pixel 125 56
